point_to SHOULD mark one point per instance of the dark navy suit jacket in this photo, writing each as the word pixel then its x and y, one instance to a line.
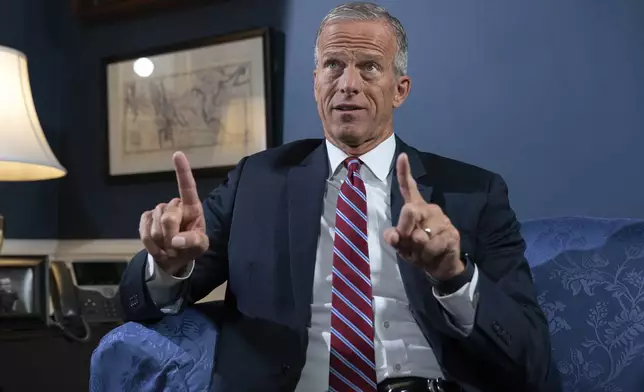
pixel 263 222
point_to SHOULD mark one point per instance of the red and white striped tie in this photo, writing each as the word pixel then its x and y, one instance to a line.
pixel 352 364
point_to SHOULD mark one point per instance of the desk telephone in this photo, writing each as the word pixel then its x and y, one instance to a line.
pixel 84 293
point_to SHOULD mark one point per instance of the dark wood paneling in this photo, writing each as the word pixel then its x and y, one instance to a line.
pixel 46 361
pixel 94 11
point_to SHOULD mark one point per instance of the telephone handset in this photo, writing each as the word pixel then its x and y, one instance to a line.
pixel 67 315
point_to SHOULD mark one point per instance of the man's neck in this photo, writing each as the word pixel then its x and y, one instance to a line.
pixel 363 148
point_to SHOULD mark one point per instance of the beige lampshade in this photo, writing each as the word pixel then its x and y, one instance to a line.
pixel 25 154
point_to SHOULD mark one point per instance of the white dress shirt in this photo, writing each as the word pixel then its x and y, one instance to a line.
pixel 400 347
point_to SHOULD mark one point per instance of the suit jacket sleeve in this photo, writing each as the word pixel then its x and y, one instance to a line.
pixel 510 337
pixel 210 270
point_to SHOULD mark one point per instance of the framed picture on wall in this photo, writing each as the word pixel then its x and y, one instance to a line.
pixel 210 98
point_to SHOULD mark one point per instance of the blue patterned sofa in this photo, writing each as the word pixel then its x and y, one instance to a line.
pixel 589 275
pixel 174 355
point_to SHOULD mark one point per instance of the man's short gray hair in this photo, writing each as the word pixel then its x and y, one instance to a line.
pixel 363 11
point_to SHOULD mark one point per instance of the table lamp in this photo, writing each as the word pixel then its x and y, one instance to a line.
pixel 25 154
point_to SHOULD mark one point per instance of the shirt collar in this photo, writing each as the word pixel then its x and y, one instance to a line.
pixel 378 160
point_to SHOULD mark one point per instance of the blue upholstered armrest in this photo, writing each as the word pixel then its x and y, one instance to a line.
pixel 174 354
pixel 589 276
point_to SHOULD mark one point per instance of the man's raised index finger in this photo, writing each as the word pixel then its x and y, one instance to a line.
pixel 408 187
pixel 185 180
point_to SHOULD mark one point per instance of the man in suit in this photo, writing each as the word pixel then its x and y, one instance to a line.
pixel 8 298
pixel 355 262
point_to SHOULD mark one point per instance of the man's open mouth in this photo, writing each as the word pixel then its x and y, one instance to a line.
pixel 347 107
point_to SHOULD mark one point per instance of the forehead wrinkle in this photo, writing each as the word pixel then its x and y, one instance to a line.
pixel 344 45
pixel 354 53
pixel 361 36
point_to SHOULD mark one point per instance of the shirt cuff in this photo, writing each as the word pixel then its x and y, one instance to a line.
pixel 460 305
pixel 163 287
pixel 156 274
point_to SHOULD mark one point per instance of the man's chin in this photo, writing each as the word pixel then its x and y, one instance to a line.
pixel 351 135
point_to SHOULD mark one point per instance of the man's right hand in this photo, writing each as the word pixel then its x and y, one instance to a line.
pixel 174 233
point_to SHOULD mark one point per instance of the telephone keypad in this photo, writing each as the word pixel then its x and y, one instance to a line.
pixel 110 308
pixel 97 308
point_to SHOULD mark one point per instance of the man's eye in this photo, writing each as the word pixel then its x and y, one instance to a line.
pixel 332 64
pixel 371 67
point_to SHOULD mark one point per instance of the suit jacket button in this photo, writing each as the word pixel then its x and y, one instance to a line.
pixel 134 301
pixel 286 367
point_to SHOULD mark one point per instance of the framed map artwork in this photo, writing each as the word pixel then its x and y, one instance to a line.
pixel 208 98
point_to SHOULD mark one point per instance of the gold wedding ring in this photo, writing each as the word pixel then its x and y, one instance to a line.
pixel 428 231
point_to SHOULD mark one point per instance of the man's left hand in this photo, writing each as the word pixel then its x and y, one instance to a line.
pixel 424 235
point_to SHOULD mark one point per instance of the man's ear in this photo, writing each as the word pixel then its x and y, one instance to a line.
pixel 402 90
pixel 315 84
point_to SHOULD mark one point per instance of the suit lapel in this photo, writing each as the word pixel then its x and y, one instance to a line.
pixel 306 185
pixel 417 171
pixel 414 281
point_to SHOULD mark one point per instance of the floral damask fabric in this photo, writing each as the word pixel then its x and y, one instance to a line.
pixel 175 354
pixel 589 275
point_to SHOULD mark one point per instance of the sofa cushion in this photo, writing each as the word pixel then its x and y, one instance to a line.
pixel 174 354
pixel 589 275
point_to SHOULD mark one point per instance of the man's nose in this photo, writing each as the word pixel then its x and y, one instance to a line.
pixel 350 81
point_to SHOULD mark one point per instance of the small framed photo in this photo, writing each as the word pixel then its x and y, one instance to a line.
pixel 23 288
pixel 210 98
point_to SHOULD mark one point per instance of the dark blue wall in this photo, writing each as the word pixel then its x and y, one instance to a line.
pixel 91 206
pixel 33 27
pixel 550 94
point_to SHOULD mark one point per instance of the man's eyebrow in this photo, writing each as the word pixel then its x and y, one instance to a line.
pixel 333 54
pixel 371 56
pixel 361 56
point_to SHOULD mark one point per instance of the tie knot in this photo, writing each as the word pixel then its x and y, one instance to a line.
pixel 352 164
